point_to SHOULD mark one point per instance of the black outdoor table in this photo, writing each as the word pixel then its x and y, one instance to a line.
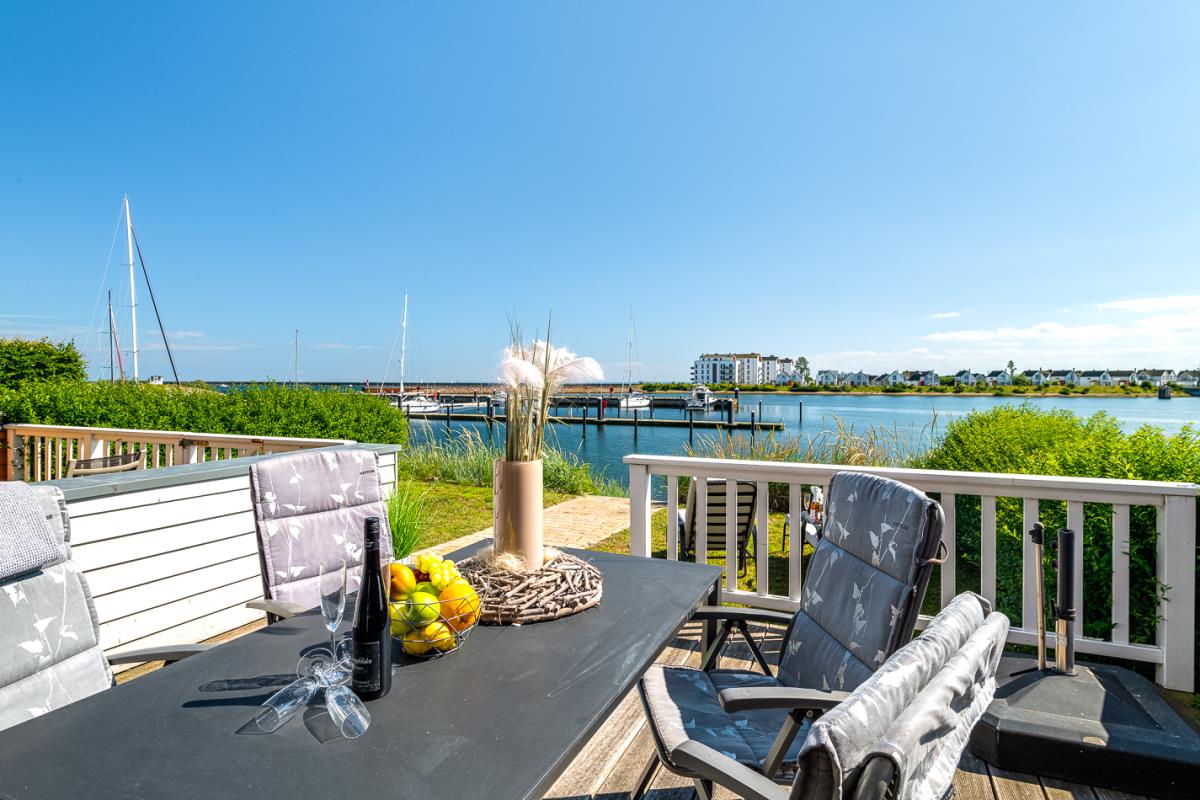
pixel 501 717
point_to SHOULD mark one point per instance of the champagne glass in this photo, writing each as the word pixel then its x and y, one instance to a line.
pixel 333 599
pixel 283 705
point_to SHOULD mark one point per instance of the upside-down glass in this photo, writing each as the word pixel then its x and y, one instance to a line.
pixel 347 711
pixel 283 705
pixel 333 598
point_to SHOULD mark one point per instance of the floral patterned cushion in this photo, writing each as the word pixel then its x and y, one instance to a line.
pixel 49 633
pixel 309 508
pixel 682 703
pixel 860 594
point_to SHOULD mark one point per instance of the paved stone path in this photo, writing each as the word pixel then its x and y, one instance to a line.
pixel 579 522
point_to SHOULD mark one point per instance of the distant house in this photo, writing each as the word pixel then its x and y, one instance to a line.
pixel 920 377
pixel 856 379
pixel 1093 377
pixel 998 377
pixel 1189 378
pixel 1061 377
pixel 965 376
pixel 1034 376
pixel 828 377
pixel 1120 377
pixel 1157 377
pixel 784 378
pixel 893 378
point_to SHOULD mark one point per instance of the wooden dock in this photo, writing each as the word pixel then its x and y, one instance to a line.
pixel 610 764
pixel 641 422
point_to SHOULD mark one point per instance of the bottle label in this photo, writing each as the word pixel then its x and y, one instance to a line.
pixel 367 663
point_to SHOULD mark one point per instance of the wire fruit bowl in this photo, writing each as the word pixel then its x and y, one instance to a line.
pixel 427 628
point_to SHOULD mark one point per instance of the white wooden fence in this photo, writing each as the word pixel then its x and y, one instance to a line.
pixel 1173 651
pixel 41 452
pixel 176 561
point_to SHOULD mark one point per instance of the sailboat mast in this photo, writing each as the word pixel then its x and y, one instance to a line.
pixel 111 376
pixel 403 341
pixel 296 358
pixel 629 367
pixel 132 294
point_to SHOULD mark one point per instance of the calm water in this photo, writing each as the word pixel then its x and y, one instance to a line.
pixel 911 415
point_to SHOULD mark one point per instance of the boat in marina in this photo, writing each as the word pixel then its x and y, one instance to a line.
pixel 415 403
pixel 701 398
pixel 630 398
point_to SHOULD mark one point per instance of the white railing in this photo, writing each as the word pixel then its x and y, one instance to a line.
pixel 41 452
pixel 1173 650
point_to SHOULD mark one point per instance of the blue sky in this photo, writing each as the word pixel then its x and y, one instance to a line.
pixel 868 186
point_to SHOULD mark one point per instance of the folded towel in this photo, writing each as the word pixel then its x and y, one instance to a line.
pixel 26 539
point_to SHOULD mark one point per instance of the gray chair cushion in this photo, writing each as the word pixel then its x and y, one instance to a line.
pixel 310 507
pixel 27 540
pixel 682 704
pixel 859 598
pixel 49 634
pixel 917 708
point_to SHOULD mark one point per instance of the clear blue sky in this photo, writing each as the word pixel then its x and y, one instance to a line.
pixel 871 186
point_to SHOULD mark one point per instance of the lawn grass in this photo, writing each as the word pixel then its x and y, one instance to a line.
pixel 777 561
pixel 456 509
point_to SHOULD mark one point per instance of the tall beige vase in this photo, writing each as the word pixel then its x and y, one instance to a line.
pixel 518 510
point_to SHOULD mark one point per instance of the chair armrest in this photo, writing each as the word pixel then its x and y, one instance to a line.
pixel 742 614
pixel 718 768
pixel 168 653
pixel 760 697
pixel 280 608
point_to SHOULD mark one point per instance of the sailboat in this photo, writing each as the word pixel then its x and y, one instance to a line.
pixel 417 403
pixel 632 399
pixel 134 246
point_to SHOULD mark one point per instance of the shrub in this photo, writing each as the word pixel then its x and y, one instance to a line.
pixel 267 410
pixel 1024 440
pixel 23 360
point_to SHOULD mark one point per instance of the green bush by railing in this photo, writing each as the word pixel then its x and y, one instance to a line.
pixel 264 410
pixel 23 360
pixel 1024 440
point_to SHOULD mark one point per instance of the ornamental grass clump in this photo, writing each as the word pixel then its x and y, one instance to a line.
pixel 530 375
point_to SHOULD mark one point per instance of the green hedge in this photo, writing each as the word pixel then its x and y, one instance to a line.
pixel 1024 440
pixel 24 360
pixel 265 410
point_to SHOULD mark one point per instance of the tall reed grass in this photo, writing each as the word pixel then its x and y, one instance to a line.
pixel 467 458
pixel 408 516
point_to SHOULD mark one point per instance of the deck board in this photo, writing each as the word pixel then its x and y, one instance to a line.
pixel 610 765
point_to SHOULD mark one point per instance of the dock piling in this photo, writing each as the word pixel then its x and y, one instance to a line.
pixel 691 427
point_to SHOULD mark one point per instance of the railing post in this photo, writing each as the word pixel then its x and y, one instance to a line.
pixel 8 469
pixel 639 510
pixel 1177 570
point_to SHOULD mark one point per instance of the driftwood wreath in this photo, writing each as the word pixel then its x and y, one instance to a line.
pixel 565 585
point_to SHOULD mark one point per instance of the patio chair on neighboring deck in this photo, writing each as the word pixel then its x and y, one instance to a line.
pixel 864 585
pixel 49 634
pixel 898 736
pixel 309 507
pixel 102 465
pixel 714 519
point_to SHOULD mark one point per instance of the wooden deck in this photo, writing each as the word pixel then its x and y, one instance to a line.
pixel 610 764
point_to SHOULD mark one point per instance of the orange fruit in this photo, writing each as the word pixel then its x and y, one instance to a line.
pixel 460 605
pixel 403 581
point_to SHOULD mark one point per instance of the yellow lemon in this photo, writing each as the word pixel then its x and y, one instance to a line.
pixel 414 644
pixel 438 636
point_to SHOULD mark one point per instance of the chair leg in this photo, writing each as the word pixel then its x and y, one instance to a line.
pixel 648 773
pixel 704 789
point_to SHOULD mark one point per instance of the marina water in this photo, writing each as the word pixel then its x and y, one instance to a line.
pixel 915 418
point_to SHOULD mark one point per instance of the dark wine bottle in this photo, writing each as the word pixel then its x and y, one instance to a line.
pixel 371 639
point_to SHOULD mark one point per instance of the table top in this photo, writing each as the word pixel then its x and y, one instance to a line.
pixel 501 717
